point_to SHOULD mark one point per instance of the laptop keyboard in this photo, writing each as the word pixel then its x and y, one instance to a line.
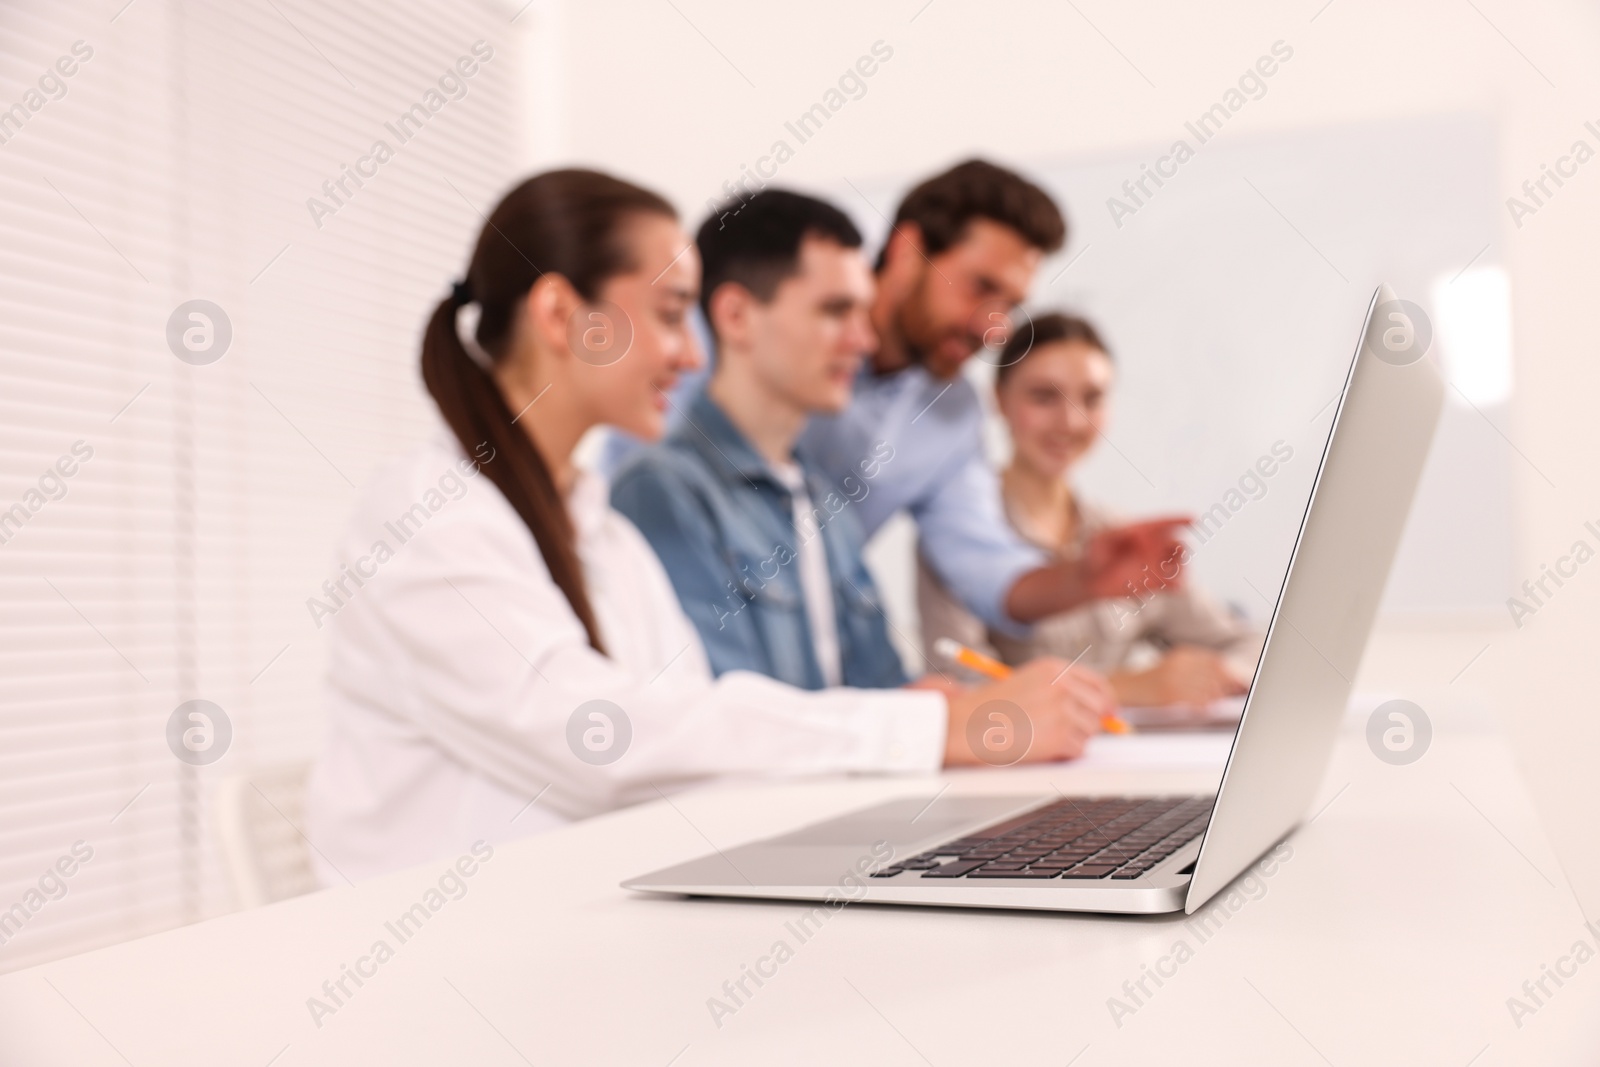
pixel 1075 838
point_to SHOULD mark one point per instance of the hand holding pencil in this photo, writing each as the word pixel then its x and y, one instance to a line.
pixel 1040 712
pixel 955 652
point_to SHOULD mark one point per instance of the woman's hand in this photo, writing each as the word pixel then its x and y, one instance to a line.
pixel 1187 675
pixel 1044 711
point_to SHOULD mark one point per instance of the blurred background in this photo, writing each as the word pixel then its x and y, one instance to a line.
pixel 314 176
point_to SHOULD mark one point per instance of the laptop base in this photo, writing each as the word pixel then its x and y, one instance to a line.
pixel 853 859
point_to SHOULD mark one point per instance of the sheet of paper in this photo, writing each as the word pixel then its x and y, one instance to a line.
pixel 1161 749
pixel 1217 715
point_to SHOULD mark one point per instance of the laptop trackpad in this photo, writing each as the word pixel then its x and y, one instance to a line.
pixel 904 822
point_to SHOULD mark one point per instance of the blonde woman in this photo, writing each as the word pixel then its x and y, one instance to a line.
pixel 1175 647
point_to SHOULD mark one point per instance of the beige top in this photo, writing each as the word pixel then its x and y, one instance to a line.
pixel 1110 635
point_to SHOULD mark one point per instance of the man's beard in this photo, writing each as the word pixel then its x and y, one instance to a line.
pixel 922 344
pixel 919 336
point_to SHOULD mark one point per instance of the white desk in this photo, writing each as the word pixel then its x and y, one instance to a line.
pixel 1393 935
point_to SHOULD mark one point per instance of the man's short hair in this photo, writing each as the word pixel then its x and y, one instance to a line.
pixel 756 241
pixel 945 204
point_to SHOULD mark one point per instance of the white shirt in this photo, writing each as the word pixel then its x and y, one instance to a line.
pixel 456 666
pixel 816 585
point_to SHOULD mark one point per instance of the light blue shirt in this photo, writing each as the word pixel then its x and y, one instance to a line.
pixel 937 472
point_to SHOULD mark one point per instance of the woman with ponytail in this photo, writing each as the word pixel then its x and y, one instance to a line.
pixel 507 654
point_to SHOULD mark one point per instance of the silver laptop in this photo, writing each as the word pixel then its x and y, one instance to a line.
pixel 1148 854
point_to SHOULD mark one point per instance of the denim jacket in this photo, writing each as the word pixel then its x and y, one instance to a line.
pixel 724 528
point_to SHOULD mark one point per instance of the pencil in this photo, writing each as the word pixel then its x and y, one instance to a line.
pixel 990 667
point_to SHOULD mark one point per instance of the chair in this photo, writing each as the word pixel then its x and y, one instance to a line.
pixel 259 817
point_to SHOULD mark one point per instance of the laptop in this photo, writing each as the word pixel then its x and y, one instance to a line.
pixel 1154 854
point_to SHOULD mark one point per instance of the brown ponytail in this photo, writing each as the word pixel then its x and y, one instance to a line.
pixel 566 222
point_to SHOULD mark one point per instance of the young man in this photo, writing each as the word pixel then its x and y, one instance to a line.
pixel 960 257
pixel 765 553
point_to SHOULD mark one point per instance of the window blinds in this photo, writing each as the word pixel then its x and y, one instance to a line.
pixel 212 285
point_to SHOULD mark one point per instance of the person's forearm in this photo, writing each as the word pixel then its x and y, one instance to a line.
pixel 1046 591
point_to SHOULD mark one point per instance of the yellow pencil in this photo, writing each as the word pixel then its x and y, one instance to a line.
pixel 990 667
